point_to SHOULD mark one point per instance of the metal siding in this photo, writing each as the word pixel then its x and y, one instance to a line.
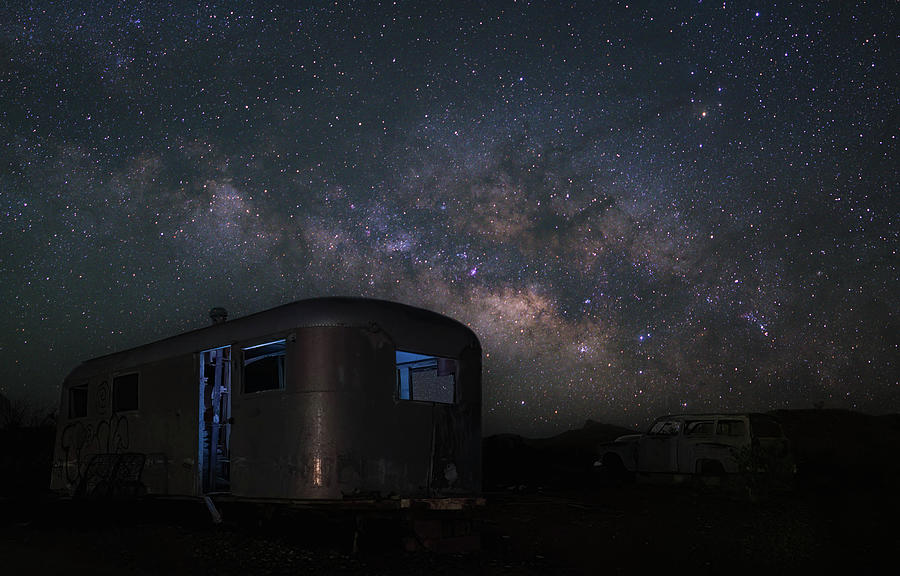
pixel 164 427
pixel 337 429
pixel 277 438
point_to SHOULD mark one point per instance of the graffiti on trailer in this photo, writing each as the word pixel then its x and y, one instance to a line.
pixel 79 440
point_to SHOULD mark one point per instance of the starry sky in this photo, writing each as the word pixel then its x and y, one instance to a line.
pixel 639 207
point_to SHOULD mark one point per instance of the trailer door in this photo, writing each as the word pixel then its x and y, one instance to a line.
pixel 214 441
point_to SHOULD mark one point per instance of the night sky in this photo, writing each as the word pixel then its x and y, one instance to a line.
pixel 639 208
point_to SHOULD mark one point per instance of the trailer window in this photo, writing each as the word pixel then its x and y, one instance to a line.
pixel 426 378
pixel 78 401
pixel 125 392
pixel 264 366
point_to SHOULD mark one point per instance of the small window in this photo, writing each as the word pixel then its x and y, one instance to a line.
pixel 426 378
pixel 78 401
pixel 264 366
pixel 125 392
pixel 699 428
pixel 730 428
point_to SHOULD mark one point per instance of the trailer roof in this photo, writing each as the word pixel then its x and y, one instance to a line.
pixel 413 329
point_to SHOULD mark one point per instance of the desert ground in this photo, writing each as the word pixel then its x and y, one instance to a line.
pixel 545 513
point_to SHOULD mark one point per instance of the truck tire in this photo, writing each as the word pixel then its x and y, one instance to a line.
pixel 614 471
pixel 711 468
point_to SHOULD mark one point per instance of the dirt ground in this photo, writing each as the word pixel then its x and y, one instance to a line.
pixel 634 528
pixel 545 513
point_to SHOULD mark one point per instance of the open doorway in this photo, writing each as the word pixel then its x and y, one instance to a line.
pixel 215 420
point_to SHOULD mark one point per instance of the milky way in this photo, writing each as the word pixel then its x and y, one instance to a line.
pixel 639 208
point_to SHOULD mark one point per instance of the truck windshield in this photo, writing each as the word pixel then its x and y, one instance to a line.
pixel 665 428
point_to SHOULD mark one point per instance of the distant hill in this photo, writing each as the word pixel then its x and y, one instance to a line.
pixel 511 460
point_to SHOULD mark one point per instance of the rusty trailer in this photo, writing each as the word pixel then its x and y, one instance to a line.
pixel 328 401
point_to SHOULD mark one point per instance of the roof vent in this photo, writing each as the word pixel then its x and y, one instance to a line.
pixel 218 315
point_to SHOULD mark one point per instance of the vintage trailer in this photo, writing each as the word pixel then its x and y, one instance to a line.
pixel 329 399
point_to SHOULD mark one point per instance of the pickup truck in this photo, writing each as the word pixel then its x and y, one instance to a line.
pixel 699 444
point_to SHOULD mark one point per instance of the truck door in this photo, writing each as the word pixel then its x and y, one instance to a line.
pixel 658 449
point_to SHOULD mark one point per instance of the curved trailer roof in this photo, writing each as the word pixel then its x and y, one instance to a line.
pixel 412 328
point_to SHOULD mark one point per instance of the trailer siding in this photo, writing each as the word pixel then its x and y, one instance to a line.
pixel 336 429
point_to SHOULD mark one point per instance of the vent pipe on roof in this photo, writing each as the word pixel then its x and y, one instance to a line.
pixel 218 315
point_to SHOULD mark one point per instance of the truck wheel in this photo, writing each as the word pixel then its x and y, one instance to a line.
pixel 614 471
pixel 712 468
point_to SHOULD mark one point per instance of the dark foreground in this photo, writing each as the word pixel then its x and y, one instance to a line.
pixel 545 514
pixel 618 530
